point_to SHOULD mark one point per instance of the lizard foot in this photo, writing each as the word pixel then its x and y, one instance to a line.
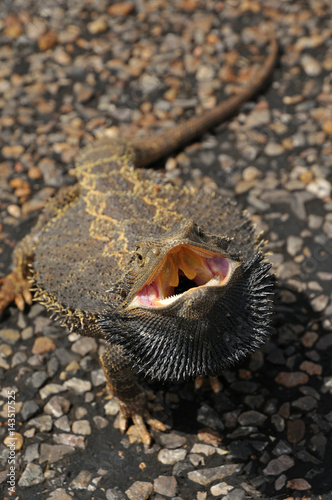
pixel 14 288
pixel 140 418
pixel 215 384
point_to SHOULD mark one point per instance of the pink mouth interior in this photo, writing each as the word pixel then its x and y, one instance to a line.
pixel 184 268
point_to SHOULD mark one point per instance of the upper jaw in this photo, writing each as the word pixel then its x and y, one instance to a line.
pixel 184 272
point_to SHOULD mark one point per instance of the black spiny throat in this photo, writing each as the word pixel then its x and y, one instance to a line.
pixel 201 307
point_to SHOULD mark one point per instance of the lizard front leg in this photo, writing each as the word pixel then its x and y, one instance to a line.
pixel 131 397
pixel 15 287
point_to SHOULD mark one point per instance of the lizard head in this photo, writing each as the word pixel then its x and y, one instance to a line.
pixel 190 305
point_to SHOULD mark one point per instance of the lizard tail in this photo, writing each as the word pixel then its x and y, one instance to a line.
pixel 150 149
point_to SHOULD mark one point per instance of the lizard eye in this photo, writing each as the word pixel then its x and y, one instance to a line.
pixel 140 259
pixel 200 233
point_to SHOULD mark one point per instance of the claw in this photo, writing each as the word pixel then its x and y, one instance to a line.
pixel 215 384
pixel 19 302
pixel 156 424
pixel 144 434
pixel 27 296
pixel 140 417
pixel 16 289
pixel 121 423
pixel 199 382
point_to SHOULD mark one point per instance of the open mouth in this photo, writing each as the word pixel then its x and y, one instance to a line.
pixel 183 270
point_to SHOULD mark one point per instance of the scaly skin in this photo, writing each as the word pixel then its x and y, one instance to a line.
pixel 96 248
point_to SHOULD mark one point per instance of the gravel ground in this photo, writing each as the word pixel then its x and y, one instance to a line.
pixel 72 70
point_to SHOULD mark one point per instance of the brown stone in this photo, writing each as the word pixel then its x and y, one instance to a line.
pixel 121 9
pixel 311 368
pixel 13 26
pixel 43 344
pixel 47 40
pixel 327 127
pixel 295 430
pixel 309 338
pixel 209 436
pixel 165 485
pixel 97 26
pixel 298 484
pixel 279 465
pixel 12 151
pixel 291 379
pixel 53 453
pixel 16 439
pixel 34 173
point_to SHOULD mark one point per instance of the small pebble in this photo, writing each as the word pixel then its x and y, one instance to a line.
pixel 100 422
pixel 139 490
pixel 42 345
pixel 57 406
pixel 294 245
pixel 47 40
pixel 208 475
pixel 62 423
pixel 165 485
pixel 98 377
pixel 311 65
pixel 59 494
pixel 43 423
pixel 209 436
pixel 311 368
pixel 50 389
pixel 9 335
pixel 82 480
pixel 252 417
pixel 31 452
pixel 29 409
pixel 97 26
pixel 305 403
pixel 274 149
pixel 77 385
pixel 320 187
pixel 82 427
pixel 298 484
pixel 12 151
pixel 291 379
pixel 18 358
pixel 171 457
pixel 32 474
pixel 295 430
pixel 205 449
pixel 70 440
pixel 111 407
pixel 279 465
pixel 52 453
pixel 38 379
pixel 15 441
pixel 280 482
pixel 319 303
pixel 121 8
pixel 5 350
pixel 84 345
pixel 235 494
pixel 221 489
